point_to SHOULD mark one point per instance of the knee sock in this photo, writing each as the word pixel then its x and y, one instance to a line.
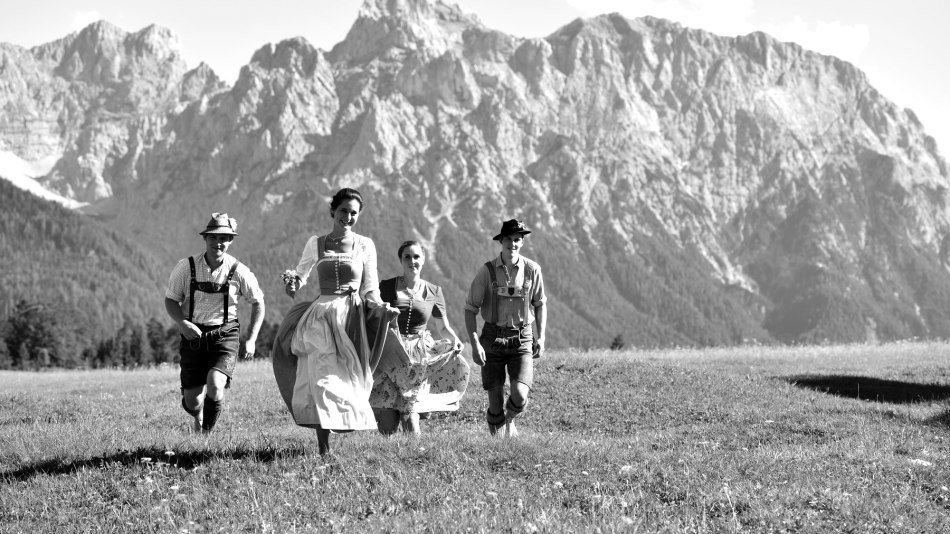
pixel 212 410
pixel 496 419
pixel 512 410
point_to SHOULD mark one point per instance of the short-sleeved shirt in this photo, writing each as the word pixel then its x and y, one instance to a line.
pixel 209 307
pixel 511 311
pixel 413 320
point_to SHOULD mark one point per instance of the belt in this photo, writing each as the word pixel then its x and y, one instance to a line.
pixel 516 328
pixel 215 331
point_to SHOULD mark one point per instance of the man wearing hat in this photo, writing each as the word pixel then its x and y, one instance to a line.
pixel 201 297
pixel 509 293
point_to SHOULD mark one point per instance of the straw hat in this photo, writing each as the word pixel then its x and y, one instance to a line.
pixel 220 223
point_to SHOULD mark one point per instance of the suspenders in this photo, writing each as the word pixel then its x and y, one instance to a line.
pixel 215 288
pixel 494 285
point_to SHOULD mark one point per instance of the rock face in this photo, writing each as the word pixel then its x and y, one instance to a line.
pixel 91 101
pixel 684 188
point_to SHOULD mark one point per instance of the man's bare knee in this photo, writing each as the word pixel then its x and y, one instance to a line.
pixel 217 381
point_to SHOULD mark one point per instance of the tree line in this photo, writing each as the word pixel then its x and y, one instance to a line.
pixel 35 335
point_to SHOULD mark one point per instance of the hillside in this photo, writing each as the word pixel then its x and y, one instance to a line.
pixel 93 277
pixel 685 188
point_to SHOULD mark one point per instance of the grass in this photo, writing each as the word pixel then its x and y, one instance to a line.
pixel 755 439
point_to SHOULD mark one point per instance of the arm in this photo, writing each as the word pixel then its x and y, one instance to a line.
pixel 257 319
pixel 185 327
pixel 473 303
pixel 308 258
pixel 471 328
pixel 441 318
pixel 174 296
pixel 445 332
pixel 539 300
pixel 369 285
pixel 540 320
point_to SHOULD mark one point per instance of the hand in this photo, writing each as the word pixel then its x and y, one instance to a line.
pixel 478 353
pixel 537 349
pixel 457 345
pixel 391 313
pixel 250 346
pixel 291 287
pixel 188 330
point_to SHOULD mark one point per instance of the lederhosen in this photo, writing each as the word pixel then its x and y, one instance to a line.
pixel 501 340
pixel 217 346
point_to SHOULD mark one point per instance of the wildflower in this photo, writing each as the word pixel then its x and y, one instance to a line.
pixel 288 276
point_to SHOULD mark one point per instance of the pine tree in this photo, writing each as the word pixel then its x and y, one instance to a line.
pixel 34 337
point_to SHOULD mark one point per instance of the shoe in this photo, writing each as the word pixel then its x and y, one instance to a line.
pixel 197 423
pixel 510 430
pixel 493 429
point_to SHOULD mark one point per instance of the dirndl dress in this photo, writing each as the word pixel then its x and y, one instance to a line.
pixel 323 360
pixel 416 372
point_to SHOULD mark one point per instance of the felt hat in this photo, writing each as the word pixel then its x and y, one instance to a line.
pixel 220 223
pixel 512 226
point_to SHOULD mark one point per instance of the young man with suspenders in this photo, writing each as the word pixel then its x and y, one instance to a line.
pixel 201 297
pixel 509 293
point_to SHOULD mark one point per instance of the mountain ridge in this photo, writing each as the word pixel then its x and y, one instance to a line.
pixel 711 190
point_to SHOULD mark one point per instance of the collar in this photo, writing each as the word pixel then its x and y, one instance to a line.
pixel 498 262
pixel 226 261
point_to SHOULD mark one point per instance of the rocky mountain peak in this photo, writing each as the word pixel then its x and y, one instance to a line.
pixel 200 81
pixel 102 53
pixel 296 55
pixel 393 27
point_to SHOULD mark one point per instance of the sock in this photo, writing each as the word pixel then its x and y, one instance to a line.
pixel 494 418
pixel 212 410
pixel 512 410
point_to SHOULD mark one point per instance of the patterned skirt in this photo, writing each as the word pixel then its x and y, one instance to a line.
pixel 419 374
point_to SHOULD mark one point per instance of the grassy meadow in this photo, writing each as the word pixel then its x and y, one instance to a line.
pixel 752 439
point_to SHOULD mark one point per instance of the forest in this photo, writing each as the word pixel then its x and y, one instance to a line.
pixel 35 336
pixel 74 294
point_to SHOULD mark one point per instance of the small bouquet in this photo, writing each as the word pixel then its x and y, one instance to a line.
pixel 289 278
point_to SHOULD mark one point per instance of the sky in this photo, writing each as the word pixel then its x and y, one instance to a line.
pixel 898 44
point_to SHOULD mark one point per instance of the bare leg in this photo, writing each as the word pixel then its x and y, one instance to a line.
pixel 323 439
pixel 387 420
pixel 410 423
pixel 192 401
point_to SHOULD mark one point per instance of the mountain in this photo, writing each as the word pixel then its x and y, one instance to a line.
pixel 684 188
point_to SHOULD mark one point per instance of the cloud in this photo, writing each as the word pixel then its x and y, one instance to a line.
pixel 734 17
pixel 81 19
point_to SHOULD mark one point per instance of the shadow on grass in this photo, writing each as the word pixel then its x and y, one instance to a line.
pixel 941 419
pixel 150 457
pixel 872 389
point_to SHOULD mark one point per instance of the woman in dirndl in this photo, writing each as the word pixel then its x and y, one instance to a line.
pixel 418 372
pixel 323 360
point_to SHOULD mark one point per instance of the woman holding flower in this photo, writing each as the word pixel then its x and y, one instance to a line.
pixel 416 373
pixel 322 357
